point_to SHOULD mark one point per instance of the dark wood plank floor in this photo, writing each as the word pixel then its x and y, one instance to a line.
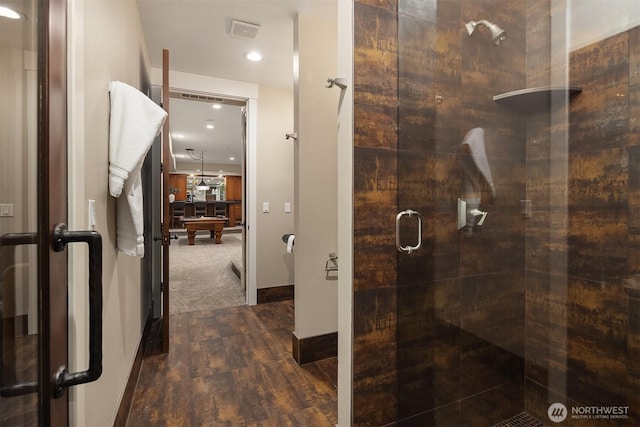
pixel 233 367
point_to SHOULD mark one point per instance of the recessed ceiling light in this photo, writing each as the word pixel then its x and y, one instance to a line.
pixel 220 176
pixel 5 12
pixel 216 106
pixel 253 56
pixel 220 170
pixel 210 126
pixel 178 135
pixel 232 158
pixel 180 156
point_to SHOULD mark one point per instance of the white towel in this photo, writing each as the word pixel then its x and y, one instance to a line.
pixel 475 140
pixel 135 120
pixel 473 164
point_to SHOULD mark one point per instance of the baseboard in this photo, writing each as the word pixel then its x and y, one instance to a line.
pixel 236 269
pixel 127 397
pixel 277 293
pixel 307 350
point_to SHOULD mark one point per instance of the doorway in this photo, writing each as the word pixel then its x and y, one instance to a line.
pixel 207 176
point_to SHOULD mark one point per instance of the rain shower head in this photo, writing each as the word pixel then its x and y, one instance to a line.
pixel 498 35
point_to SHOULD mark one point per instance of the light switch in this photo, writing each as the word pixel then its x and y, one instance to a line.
pixel 91 213
pixel 6 209
pixel 287 207
pixel 265 207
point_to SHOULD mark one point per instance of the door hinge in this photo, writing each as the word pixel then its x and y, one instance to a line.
pixel 161 286
pixel 161 167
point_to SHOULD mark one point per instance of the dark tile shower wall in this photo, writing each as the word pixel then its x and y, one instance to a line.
pixel 527 308
pixel 582 320
pixel 459 305
pixel 375 206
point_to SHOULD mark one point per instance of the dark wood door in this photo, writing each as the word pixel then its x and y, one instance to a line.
pixel 166 210
pixel 33 195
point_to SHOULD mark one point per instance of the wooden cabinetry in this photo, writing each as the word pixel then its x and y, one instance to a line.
pixel 179 182
pixel 233 187
pixel 235 214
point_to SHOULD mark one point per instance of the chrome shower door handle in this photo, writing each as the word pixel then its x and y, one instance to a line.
pixel 408 249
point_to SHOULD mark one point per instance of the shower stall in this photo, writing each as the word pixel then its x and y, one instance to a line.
pixel 497 213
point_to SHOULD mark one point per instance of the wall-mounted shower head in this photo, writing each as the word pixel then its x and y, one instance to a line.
pixel 498 35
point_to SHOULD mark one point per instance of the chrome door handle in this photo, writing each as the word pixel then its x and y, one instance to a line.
pixel 63 378
pixel 408 249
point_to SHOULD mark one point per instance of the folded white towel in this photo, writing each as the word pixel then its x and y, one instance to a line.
pixel 135 120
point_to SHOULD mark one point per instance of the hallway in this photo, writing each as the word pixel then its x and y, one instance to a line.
pixel 233 366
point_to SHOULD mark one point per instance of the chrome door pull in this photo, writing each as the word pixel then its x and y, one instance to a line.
pixel 62 237
pixel 408 249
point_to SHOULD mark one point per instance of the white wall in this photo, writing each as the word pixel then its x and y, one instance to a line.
pixel 274 170
pixel 105 44
pixel 316 214
pixel 345 212
pixel 594 20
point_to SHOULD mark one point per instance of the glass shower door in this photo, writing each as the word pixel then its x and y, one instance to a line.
pixel 518 147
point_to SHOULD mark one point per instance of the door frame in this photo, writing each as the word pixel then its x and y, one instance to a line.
pixel 166 214
pixel 192 83
pixel 52 207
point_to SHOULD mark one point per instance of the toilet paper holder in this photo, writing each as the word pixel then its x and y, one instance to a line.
pixel 289 240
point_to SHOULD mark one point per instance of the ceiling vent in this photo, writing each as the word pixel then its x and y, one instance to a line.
pixel 243 30
pixel 196 97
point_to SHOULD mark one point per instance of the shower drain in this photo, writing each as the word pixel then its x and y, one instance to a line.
pixel 520 420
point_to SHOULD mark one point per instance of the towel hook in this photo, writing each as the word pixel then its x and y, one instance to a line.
pixel 341 82
pixel 293 136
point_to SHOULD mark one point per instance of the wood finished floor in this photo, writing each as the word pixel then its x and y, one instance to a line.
pixel 233 367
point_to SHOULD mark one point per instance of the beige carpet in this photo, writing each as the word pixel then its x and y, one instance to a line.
pixel 201 275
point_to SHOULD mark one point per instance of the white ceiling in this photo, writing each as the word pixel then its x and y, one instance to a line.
pixel 188 130
pixel 196 32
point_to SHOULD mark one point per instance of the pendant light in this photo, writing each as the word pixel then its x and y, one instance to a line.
pixel 201 185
